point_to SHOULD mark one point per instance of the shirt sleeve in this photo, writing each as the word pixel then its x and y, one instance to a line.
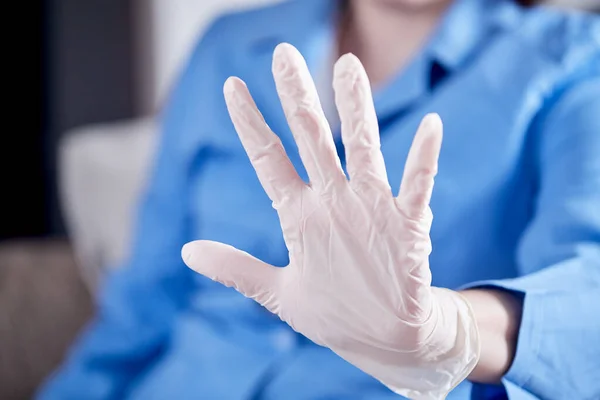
pixel 558 349
pixel 139 302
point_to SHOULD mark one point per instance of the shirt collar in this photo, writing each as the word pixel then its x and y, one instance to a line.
pixel 464 28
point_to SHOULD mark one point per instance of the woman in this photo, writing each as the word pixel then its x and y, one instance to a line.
pixel 517 222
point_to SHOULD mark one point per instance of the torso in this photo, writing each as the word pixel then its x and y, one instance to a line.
pixel 482 202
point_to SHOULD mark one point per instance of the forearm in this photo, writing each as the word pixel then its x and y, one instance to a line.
pixel 498 315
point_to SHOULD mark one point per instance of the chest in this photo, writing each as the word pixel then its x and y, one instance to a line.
pixel 481 165
pixel 483 190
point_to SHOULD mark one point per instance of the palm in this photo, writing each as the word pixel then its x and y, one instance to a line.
pixel 366 264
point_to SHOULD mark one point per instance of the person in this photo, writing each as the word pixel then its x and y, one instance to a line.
pixel 517 221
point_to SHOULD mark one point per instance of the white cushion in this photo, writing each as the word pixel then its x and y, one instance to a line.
pixel 102 173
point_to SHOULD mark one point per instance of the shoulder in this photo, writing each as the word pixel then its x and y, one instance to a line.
pixel 227 38
pixel 561 37
pixel 240 29
pixel 227 47
pixel 568 42
pixel 549 54
pixel 224 49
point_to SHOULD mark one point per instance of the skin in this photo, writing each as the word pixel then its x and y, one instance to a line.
pixel 370 30
pixel 498 315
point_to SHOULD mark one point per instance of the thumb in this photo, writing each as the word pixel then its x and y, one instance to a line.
pixel 235 268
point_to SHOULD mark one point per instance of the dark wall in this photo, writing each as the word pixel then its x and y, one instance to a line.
pixel 91 62
pixel 72 66
pixel 91 66
pixel 22 186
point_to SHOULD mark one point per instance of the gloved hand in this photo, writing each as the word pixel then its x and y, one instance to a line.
pixel 358 281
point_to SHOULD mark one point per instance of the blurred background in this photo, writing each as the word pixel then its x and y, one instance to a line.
pixel 73 160
pixel 86 87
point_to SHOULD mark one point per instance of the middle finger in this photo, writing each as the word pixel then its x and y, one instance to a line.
pixel 307 121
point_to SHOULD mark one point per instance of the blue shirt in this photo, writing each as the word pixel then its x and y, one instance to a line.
pixel 516 206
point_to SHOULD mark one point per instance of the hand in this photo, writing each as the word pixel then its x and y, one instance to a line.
pixel 358 280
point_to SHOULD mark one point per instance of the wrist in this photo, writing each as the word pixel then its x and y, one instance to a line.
pixel 455 332
pixel 498 315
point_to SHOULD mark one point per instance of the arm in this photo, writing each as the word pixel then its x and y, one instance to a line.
pixel 555 352
pixel 139 302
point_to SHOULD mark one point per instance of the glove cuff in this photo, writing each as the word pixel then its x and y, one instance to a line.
pixel 453 350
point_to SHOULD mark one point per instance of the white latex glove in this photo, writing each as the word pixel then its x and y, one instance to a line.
pixel 358 281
